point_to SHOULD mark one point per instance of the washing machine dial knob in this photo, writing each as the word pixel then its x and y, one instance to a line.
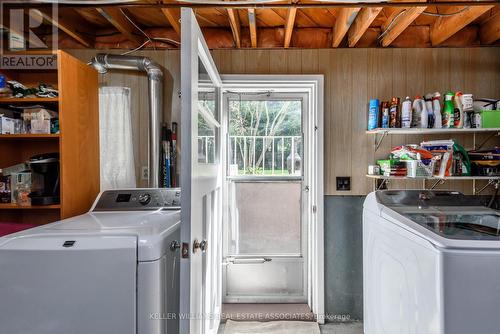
pixel 144 199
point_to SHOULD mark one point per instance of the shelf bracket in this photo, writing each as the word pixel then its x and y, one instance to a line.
pixel 492 182
pixel 378 141
pixel 484 141
pixel 438 182
pixel 382 183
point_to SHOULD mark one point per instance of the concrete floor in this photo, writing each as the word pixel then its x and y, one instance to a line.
pixel 331 328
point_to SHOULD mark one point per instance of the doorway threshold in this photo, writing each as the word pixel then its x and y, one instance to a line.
pixel 266 312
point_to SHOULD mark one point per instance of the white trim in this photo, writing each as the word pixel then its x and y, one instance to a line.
pixel 313 85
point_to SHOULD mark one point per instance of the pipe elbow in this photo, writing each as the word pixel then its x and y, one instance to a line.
pixel 153 69
pixel 98 62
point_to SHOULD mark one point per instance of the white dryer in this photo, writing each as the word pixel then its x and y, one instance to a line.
pixel 431 264
pixel 114 269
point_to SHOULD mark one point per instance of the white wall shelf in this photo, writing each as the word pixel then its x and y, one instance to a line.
pixel 492 180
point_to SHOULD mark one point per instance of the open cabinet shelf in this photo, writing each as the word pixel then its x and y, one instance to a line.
pixel 77 145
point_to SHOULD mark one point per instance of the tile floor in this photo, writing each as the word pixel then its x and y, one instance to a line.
pixel 332 328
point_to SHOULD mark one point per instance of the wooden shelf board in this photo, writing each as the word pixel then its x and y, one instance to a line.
pixel 13 206
pixel 459 178
pixel 417 131
pixel 29 136
pixel 28 100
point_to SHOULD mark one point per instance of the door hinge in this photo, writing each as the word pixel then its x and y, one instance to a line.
pixel 314 208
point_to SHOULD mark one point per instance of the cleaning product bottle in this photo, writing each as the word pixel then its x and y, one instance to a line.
pixel 430 112
pixel 448 111
pixel 468 110
pixel 385 114
pixel 420 115
pixel 394 114
pixel 373 114
pixel 436 108
pixel 458 115
pixel 406 113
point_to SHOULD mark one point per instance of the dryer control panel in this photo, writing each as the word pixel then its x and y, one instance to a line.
pixel 139 199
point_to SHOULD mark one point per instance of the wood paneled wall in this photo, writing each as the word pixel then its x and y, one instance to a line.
pixel 352 77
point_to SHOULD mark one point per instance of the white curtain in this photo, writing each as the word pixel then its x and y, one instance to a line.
pixel 115 133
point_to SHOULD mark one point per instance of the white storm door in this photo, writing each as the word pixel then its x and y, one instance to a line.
pixel 201 175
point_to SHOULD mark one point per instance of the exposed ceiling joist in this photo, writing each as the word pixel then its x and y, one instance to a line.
pixel 401 23
pixel 115 16
pixel 234 22
pixel 289 23
pixel 173 17
pixel 363 20
pixel 447 26
pixel 67 22
pixel 490 31
pixel 252 24
pixel 343 22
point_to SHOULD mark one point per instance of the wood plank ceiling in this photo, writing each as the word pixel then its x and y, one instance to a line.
pixel 292 24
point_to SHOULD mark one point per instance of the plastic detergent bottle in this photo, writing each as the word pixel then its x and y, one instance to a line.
pixel 420 116
pixel 458 115
pixel 448 111
pixel 436 108
pixel 430 112
pixel 406 113
pixel 373 114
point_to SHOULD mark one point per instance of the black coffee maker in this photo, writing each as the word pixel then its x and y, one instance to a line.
pixel 44 179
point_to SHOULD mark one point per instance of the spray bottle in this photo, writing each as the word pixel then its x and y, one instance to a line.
pixel 436 108
pixel 458 117
pixel 448 111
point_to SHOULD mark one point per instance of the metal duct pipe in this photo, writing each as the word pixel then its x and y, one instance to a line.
pixel 104 62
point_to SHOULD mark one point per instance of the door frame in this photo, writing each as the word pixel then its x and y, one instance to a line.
pixel 197 313
pixel 312 85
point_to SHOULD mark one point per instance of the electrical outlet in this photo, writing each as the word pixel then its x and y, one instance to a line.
pixel 144 173
pixel 343 183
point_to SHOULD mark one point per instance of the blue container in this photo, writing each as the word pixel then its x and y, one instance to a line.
pixel 373 114
pixel 2 81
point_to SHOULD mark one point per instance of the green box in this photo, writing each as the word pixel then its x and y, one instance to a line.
pixel 490 118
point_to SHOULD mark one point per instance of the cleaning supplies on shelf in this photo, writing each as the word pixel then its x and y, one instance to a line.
pixel 373 114
pixel 385 114
pixel 406 113
pixel 420 115
pixel 458 115
pixel 468 110
pixel 436 108
pixel 442 151
pixel 430 111
pixel 448 111
pixel 394 114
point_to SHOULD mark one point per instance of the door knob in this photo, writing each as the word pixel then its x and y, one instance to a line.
pixel 174 245
pixel 201 245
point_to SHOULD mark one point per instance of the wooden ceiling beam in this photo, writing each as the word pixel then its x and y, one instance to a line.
pixel 343 22
pixel 67 22
pixel 173 18
pixel 489 32
pixel 289 23
pixel 402 22
pixel 115 16
pixel 447 26
pixel 234 22
pixel 252 24
pixel 363 20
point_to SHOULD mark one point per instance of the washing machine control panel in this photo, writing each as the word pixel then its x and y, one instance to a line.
pixel 139 199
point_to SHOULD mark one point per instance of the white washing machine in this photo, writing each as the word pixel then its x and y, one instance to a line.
pixel 431 264
pixel 112 270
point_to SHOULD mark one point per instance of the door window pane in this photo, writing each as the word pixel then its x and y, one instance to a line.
pixel 265 218
pixel 265 137
pixel 206 115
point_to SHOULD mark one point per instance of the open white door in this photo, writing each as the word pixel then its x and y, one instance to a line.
pixel 201 175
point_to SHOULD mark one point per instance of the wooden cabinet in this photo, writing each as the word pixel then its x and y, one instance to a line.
pixel 77 142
